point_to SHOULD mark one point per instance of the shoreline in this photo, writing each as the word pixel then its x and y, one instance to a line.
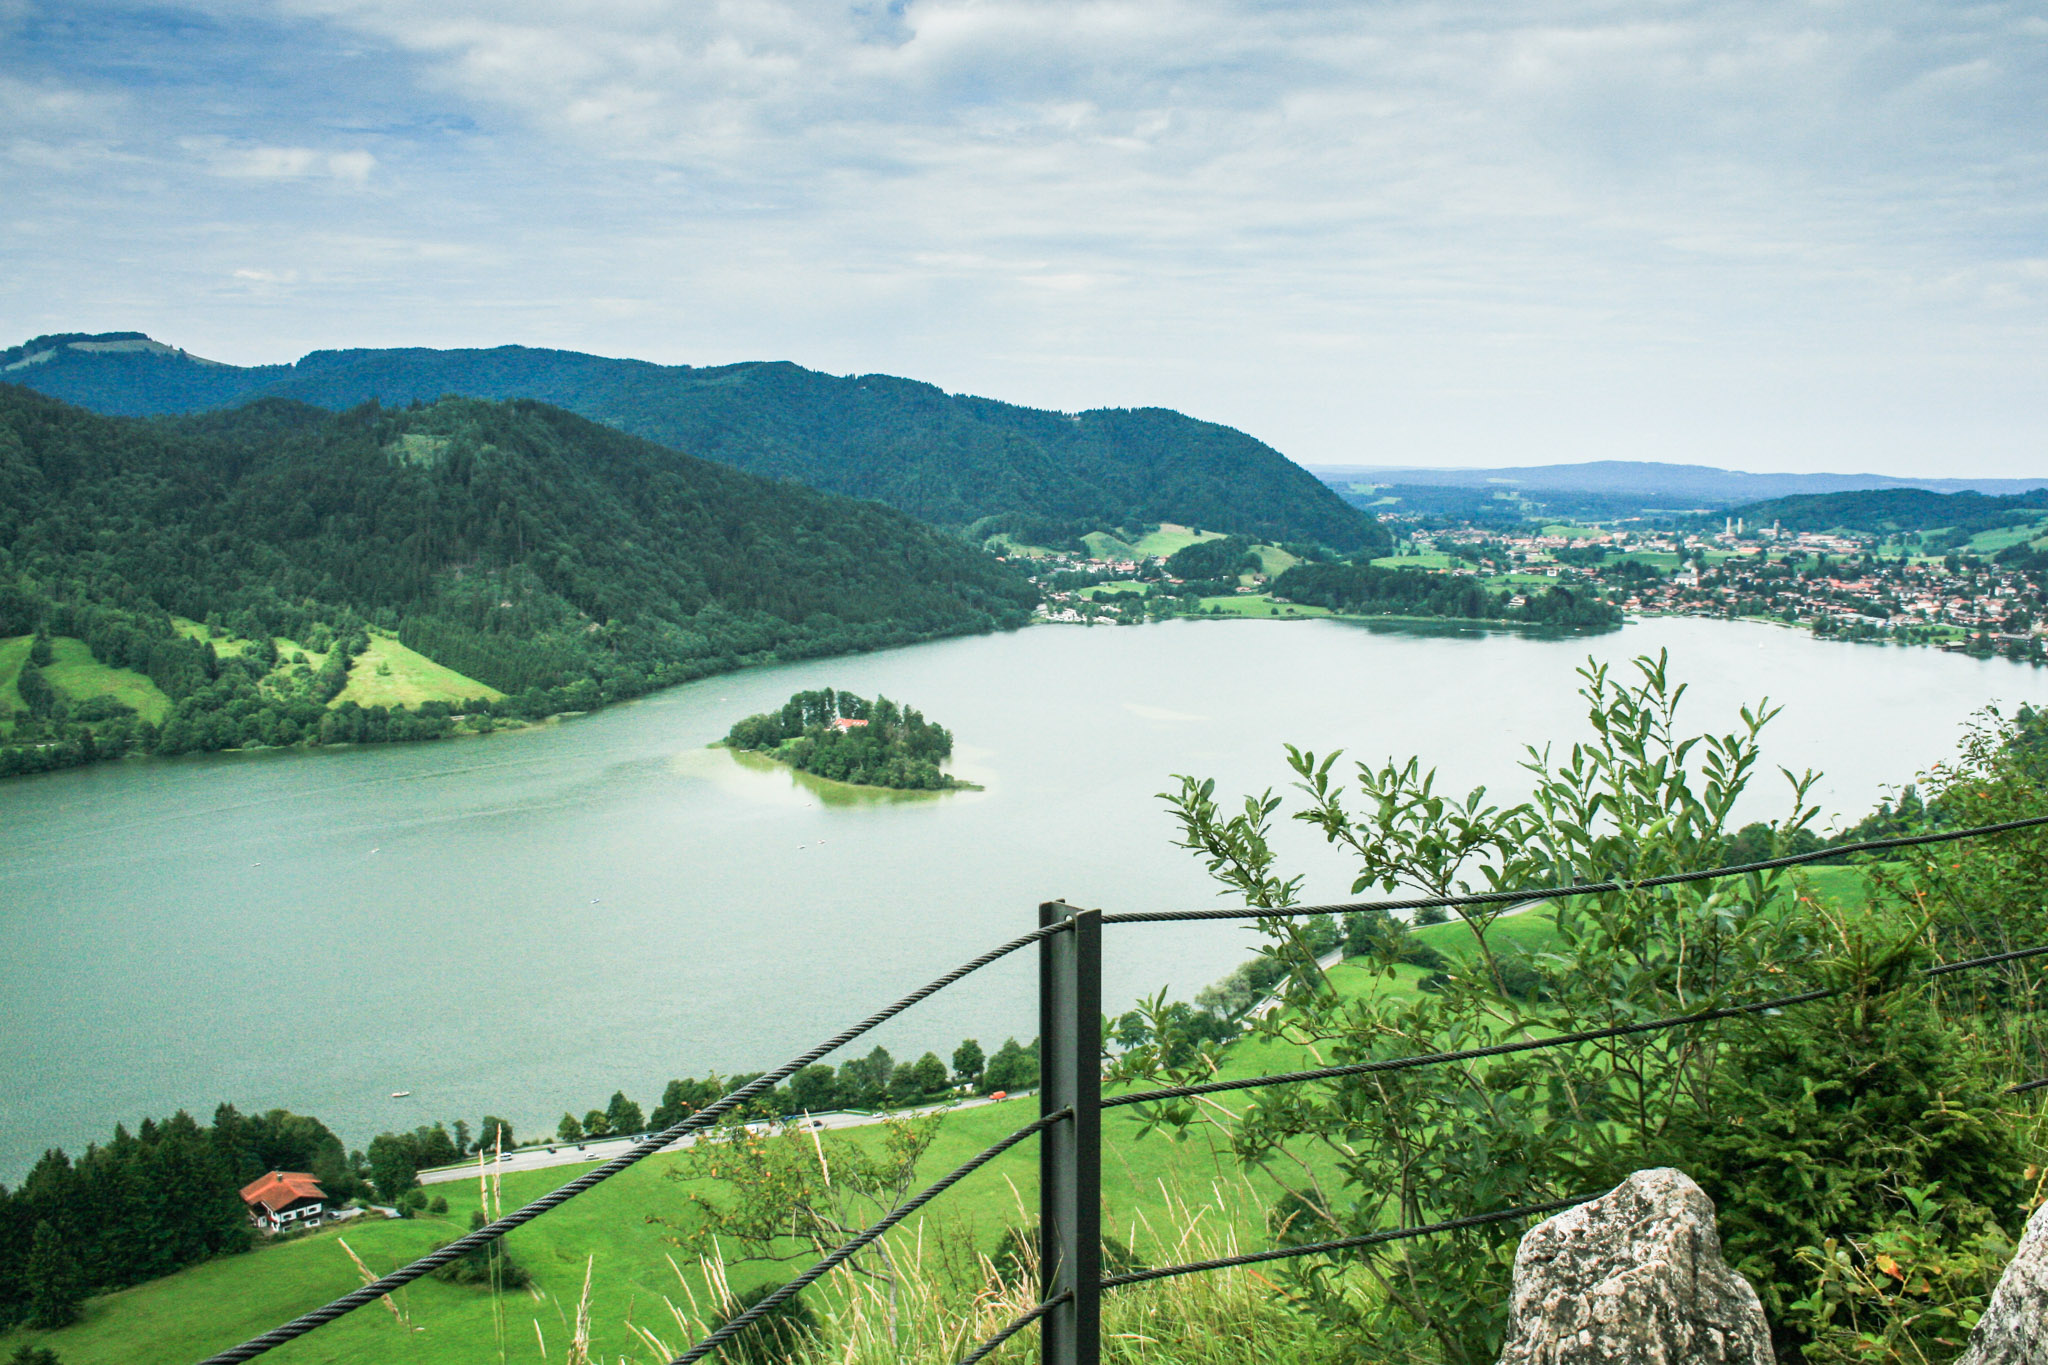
pixel 762 761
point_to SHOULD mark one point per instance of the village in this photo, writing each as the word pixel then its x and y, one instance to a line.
pixel 1837 584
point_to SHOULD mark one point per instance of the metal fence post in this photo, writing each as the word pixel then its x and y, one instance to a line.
pixel 1070 1153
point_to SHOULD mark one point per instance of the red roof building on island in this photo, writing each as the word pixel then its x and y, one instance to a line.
pixel 849 723
pixel 281 1198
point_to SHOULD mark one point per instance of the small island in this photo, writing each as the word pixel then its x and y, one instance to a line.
pixel 845 738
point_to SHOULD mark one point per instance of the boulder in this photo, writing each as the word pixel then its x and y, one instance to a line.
pixel 1633 1278
pixel 2014 1328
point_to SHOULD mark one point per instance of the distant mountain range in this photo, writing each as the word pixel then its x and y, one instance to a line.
pixel 947 459
pixel 1684 485
pixel 1898 509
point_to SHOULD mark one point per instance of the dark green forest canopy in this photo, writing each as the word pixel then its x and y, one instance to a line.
pixel 1895 509
pixel 947 459
pixel 514 542
pixel 1363 590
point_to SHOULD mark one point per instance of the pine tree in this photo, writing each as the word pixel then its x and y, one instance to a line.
pixel 55 1288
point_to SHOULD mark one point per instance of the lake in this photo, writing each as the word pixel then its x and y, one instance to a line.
pixel 522 923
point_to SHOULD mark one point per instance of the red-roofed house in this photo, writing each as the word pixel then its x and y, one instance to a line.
pixel 849 723
pixel 283 1198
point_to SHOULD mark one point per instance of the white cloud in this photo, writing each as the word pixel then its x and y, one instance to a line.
pixel 1455 229
pixel 285 163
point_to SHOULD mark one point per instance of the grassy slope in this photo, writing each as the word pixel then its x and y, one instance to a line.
pixel 389 674
pixel 77 676
pixel 75 673
pixel 224 645
pixel 1991 542
pixel 1172 536
pixel 1273 560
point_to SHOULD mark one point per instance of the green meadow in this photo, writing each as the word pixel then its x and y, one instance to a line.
pixel 76 676
pixel 388 674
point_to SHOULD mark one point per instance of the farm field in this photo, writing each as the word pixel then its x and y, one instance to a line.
pixel 75 674
pixel 1171 536
pixel 1273 560
pixel 1259 604
pixel 388 674
pixel 1427 559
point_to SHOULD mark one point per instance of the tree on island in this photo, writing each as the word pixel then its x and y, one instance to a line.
pixel 847 738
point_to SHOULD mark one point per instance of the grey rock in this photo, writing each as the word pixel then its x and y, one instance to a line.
pixel 2014 1328
pixel 1633 1278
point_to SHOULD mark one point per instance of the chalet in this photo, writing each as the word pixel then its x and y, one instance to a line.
pixel 284 1199
pixel 849 723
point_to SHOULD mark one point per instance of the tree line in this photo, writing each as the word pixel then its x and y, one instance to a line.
pixel 1364 590
pixel 146 1203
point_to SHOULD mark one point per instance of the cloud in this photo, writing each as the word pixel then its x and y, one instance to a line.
pixel 1417 229
pixel 286 163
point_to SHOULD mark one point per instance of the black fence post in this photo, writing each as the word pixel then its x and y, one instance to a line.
pixel 1070 1153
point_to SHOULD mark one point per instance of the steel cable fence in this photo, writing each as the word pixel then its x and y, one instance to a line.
pixel 852 1246
pixel 1578 889
pixel 1535 1044
pixel 702 1119
pixel 1074 977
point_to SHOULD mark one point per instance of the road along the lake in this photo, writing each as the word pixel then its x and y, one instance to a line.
pixel 592 1150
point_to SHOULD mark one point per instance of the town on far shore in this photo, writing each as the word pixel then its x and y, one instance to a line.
pixel 1984 594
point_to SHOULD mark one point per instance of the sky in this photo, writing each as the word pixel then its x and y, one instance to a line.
pixel 1767 236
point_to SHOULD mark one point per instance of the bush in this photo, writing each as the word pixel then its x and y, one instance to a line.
pixel 490 1264
pixel 1841 1119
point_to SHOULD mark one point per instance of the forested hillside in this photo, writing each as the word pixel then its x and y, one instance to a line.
pixel 947 459
pixel 1896 509
pixel 539 554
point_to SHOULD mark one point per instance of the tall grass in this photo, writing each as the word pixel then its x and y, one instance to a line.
pixel 951 1295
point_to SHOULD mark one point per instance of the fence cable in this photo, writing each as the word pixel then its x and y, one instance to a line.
pixel 848 1249
pixel 1016 1325
pixel 1175 1092
pixel 1343 1243
pixel 703 1118
pixel 1582 889
pixel 710 1114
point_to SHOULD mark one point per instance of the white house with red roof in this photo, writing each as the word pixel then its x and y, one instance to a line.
pixel 283 1199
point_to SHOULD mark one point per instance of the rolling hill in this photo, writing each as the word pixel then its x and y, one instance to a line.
pixel 541 555
pixel 948 459
pixel 1897 509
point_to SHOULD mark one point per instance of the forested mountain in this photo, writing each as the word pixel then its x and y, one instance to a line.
pixel 544 555
pixel 948 459
pixel 1896 509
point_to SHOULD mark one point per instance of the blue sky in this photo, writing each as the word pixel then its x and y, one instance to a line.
pixel 1760 235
